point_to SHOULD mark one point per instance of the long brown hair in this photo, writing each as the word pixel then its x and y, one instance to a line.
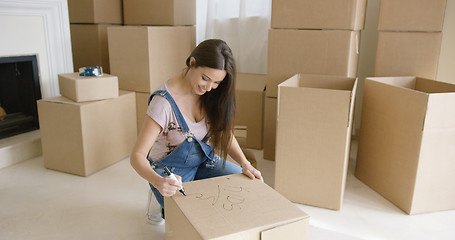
pixel 219 104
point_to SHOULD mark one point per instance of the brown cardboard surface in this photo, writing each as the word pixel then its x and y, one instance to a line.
pixel 141 108
pixel 230 207
pixel 95 11
pixel 270 110
pixel 411 15
pixel 82 88
pixel 158 12
pixel 408 54
pixel 325 52
pixel 89 46
pixel 313 138
pixel 321 14
pixel 406 142
pixel 158 53
pixel 83 138
pixel 250 106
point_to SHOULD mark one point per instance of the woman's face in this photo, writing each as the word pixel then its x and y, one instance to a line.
pixel 204 79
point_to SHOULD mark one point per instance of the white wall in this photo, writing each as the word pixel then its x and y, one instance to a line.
pixel 24 35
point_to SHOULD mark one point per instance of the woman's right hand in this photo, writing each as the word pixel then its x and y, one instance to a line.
pixel 168 186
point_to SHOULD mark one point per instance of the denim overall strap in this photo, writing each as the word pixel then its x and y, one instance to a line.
pixel 207 149
pixel 174 106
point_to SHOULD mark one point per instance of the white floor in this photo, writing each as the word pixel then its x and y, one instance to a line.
pixel 36 203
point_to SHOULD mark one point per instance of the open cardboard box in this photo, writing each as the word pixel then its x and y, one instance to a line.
pixel 407 142
pixel 233 207
pixel 313 138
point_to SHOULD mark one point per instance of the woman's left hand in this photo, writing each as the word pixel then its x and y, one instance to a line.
pixel 251 172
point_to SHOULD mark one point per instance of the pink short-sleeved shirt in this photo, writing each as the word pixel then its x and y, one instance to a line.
pixel 171 136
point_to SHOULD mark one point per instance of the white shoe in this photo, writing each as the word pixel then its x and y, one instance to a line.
pixel 153 210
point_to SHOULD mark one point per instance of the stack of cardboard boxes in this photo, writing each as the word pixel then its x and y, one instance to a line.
pixel 407 133
pixel 310 37
pixel 89 22
pixel 90 127
pixel 409 37
pixel 152 46
pixel 311 87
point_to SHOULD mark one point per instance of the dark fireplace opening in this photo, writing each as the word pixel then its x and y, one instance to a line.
pixel 19 90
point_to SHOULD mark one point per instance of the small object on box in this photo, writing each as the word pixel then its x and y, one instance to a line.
pixel 91 71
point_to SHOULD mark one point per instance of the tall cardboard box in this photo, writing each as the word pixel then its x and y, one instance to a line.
pixel 87 88
pixel 233 207
pixel 141 108
pixel 83 138
pixel 95 11
pixel 411 15
pixel 325 52
pixel 159 12
pixel 313 138
pixel 89 46
pixel 408 54
pixel 319 14
pixel 144 57
pixel 250 106
pixel 270 110
pixel 406 145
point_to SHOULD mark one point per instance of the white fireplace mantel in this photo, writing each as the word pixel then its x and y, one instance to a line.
pixel 56 33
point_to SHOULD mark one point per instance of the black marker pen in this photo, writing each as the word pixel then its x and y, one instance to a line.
pixel 172 176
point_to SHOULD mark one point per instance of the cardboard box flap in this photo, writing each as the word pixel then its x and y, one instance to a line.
pixel 291 231
pixel 440 111
pixel 331 86
pixel 232 204
pixel 320 81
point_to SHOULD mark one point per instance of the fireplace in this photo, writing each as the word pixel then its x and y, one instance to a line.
pixel 19 90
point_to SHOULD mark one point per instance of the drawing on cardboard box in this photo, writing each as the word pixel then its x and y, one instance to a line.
pixel 225 196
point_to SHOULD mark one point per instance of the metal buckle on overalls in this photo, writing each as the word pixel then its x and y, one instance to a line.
pixel 210 164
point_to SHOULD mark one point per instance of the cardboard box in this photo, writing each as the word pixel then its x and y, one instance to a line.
pixel 158 12
pixel 325 52
pixel 240 133
pixel 270 111
pixel 89 46
pixel 83 138
pixel 408 54
pixel 233 207
pixel 319 14
pixel 250 104
pixel 406 147
pixel 141 108
pixel 82 89
pixel 313 138
pixel 95 11
pixel 411 15
pixel 158 53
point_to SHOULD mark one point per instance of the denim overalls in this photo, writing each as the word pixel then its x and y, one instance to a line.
pixel 192 159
